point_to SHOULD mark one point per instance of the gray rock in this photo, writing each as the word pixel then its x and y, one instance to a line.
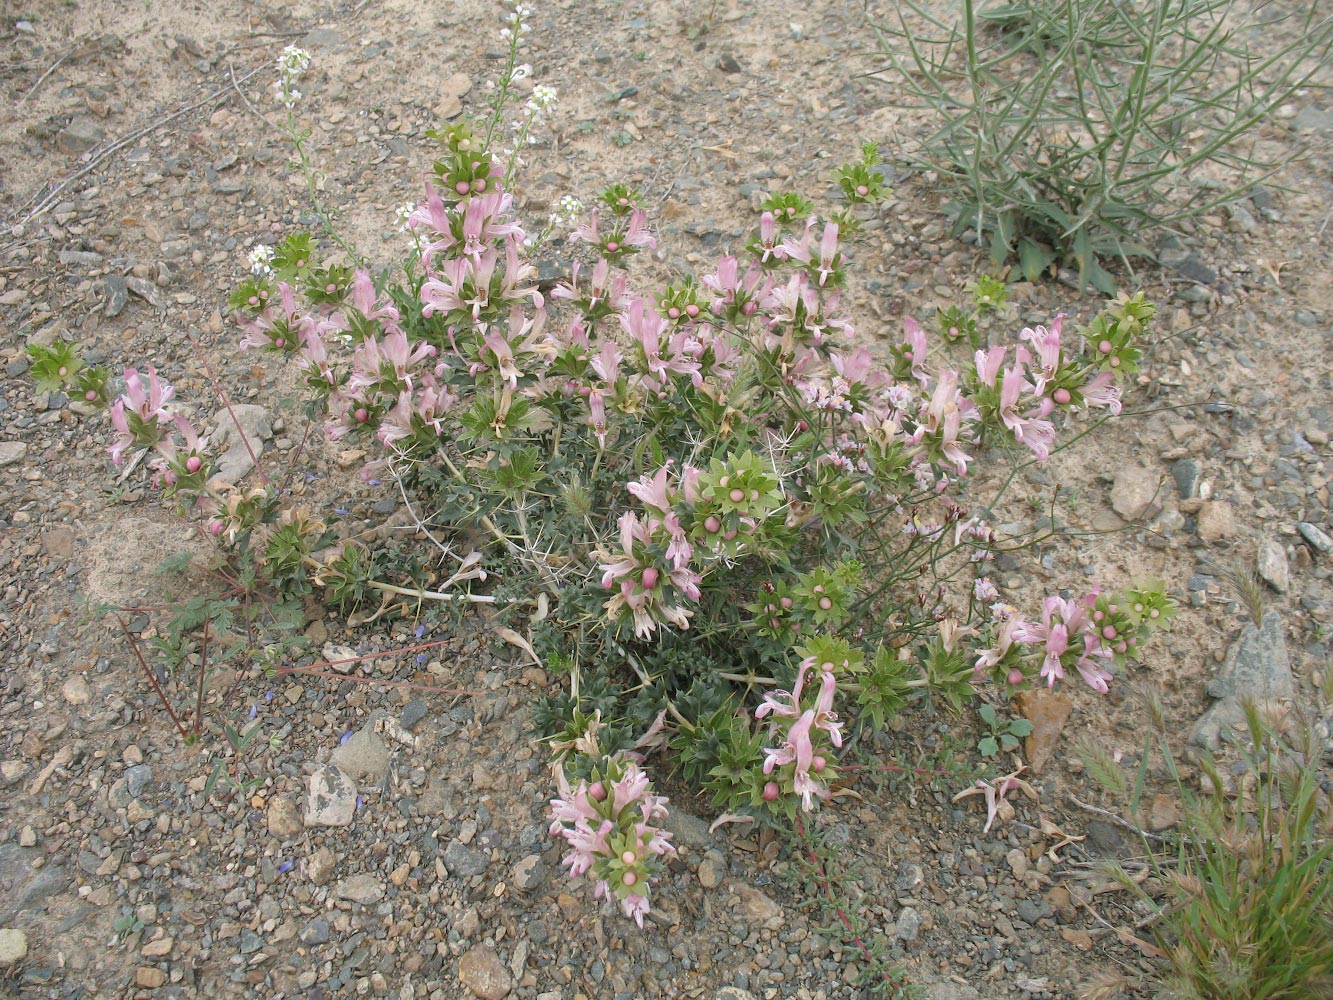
pixel 1313 119
pixel 733 993
pixel 25 886
pixel 1272 565
pixel 529 873
pixel 687 830
pixel 1312 533
pixel 246 422
pixel 364 756
pixel 910 876
pixel 332 798
pixel 137 779
pixel 12 451
pixel 81 135
pixel 1257 668
pixel 462 861
pixel 316 932
pixel 145 290
pixel 1134 492
pixel 13 945
pixel 1186 473
pixel 80 258
pixel 908 925
pixel 413 712
pixel 364 889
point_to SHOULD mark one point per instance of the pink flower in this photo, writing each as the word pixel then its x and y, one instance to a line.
pixel 1102 391
pixel 797 747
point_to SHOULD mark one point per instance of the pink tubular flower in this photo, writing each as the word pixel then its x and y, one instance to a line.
pixel 614 838
pixel 1102 391
pixel 1067 631
pixel 797 747
pixel 138 412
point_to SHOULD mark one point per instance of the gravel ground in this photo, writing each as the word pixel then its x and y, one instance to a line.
pixel 393 840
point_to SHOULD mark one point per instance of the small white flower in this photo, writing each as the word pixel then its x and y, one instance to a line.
pixel 260 261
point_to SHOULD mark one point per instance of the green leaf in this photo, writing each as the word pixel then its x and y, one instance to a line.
pixel 987 713
pixel 988 747
pixel 1033 259
pixel 1020 727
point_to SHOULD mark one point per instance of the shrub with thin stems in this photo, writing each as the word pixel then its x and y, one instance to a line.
pixel 1067 130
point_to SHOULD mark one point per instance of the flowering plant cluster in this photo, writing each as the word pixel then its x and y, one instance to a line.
pixel 610 821
pixel 744 524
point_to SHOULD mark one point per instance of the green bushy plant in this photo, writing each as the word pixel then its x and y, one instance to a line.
pixel 1071 129
pixel 1242 893
pixel 726 524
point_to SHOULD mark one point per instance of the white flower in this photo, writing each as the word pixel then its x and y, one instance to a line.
pixel 261 260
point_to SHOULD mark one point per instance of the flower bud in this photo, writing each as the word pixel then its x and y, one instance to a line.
pixel 194 463
pixel 1015 677
pixel 649 578
pixel 1062 396
pixel 771 791
pixel 597 792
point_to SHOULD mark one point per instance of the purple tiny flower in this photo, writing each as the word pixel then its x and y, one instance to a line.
pixel 268 696
pixel 421 630
pixel 421 658
pixel 344 738
pixel 359 803
pixel 254 710
pixel 285 867
pixel 341 511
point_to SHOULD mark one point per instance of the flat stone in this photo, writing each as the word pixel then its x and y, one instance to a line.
pixel 1048 711
pixel 462 861
pixel 58 542
pixel 1134 492
pixel 688 830
pixel 12 451
pixel 284 818
pixel 529 873
pixel 1312 533
pixel 413 712
pixel 1163 813
pixel 117 295
pixel 365 889
pixel 13 945
pixel 712 870
pixel 908 925
pixel 1216 521
pixel 81 135
pixel 158 947
pixel 316 932
pixel 149 978
pixel 482 972
pixel 76 691
pixel 137 779
pixel 364 756
pixel 1186 473
pixel 451 93
pixel 757 909
pixel 320 865
pixel 1257 668
pixel 331 800
pixel 80 258
pixel 245 423
pixel 1272 565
